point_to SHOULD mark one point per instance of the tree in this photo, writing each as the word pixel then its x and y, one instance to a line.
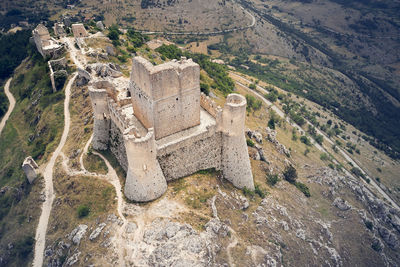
pixel 319 139
pixel 290 174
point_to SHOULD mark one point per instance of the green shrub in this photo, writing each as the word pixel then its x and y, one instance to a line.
pixel 272 179
pixel 376 246
pixel 271 124
pixel 25 246
pixel 357 172
pixel 324 156
pixel 250 142
pixel 248 192
pixel 205 88
pixel 305 140
pixel 59 79
pixel 369 225
pixel 83 211
pixel 319 139
pixel 259 191
pixel 303 188
pixel 290 174
pixel 271 96
pixel 253 103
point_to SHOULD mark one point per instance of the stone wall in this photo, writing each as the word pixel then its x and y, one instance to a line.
pixel 189 156
pixel 101 126
pixel 145 180
pixel 79 30
pixel 142 105
pixel 209 105
pixel 117 145
pixel 165 93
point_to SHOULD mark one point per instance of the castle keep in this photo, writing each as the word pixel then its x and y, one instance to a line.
pixel 160 127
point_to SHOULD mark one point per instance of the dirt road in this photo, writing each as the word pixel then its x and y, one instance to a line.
pixel 40 237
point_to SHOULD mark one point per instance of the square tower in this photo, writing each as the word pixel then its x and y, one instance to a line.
pixel 166 97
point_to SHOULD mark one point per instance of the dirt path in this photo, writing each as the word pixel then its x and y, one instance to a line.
pixel 112 178
pixel 11 99
pixel 40 237
pixel 318 146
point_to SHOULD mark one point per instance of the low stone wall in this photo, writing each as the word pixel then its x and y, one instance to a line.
pixel 191 155
pixel 209 105
pixel 115 115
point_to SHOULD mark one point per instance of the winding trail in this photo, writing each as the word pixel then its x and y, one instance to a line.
pixel 318 146
pixel 11 99
pixel 113 179
pixel 40 238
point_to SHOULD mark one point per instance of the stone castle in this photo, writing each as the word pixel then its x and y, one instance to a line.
pixel 161 127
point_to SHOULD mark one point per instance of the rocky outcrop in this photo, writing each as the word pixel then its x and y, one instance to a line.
pixel 271 136
pixel 341 204
pixel 385 219
pixel 78 233
pixel 96 232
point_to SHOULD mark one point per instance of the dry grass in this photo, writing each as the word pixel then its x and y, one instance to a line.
pixel 94 163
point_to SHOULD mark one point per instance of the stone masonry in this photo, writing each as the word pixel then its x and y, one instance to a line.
pixel 160 127
pixel 47 46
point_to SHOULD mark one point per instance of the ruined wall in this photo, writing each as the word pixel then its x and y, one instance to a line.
pixel 191 155
pixel 117 145
pixel 209 105
pixel 79 30
pixel 101 125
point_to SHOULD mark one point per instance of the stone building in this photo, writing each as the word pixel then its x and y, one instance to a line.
pixel 47 46
pixel 79 30
pixel 160 128
pixel 59 29
pixel 29 166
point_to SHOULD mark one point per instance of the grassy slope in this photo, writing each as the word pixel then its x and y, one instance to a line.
pixel 19 205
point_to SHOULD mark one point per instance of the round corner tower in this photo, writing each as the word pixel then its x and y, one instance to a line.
pixel 145 180
pixel 236 165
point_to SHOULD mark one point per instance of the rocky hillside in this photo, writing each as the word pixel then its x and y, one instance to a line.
pixel 323 216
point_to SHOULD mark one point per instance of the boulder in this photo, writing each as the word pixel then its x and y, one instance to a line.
pixel 130 227
pixel 389 238
pixel 110 51
pixel 96 232
pixel 73 259
pixel 395 220
pixel 100 25
pixel 77 234
pixel 341 204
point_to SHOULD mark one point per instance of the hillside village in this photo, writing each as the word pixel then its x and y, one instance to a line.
pixel 155 165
